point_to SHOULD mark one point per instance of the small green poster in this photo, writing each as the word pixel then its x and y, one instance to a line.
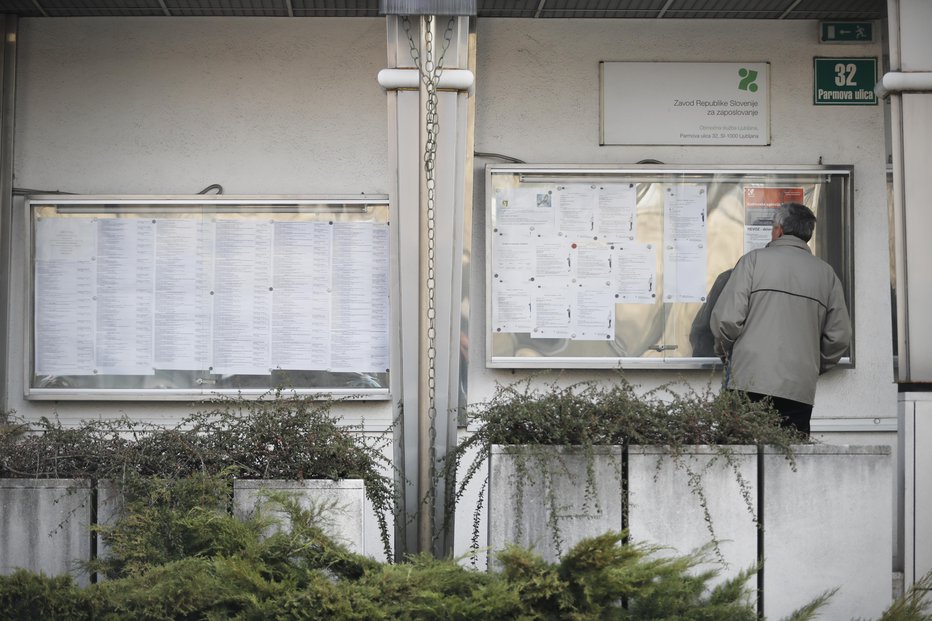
pixel 844 82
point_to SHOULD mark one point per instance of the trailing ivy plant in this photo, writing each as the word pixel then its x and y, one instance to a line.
pixel 279 436
pixel 529 419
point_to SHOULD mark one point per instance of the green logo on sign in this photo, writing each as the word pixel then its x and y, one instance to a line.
pixel 748 79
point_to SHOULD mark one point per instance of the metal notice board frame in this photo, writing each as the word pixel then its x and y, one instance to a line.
pixel 193 297
pixel 600 266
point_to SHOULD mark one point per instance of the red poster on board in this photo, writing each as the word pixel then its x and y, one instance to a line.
pixel 760 204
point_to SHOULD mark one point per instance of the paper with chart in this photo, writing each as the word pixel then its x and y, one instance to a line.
pixel 183 304
pixel 65 296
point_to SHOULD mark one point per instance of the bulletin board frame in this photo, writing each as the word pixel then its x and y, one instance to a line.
pixel 287 264
pixel 643 332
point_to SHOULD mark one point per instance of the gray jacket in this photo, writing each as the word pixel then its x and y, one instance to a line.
pixel 781 321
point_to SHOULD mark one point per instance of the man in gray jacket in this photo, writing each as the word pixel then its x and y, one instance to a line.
pixel 781 320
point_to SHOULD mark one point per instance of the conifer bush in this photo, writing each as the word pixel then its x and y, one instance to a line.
pixel 239 573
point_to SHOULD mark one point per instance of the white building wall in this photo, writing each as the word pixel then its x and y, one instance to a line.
pixel 170 106
pixel 278 106
pixel 537 97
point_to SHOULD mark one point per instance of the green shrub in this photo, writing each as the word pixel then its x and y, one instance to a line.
pixel 25 595
pixel 277 437
pixel 237 572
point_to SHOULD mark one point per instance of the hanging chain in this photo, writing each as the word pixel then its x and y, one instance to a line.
pixel 430 71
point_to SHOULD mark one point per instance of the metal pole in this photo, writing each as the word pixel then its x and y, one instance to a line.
pixel 7 100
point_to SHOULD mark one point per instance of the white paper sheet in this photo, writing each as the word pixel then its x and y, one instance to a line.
pixel 553 312
pixel 756 236
pixel 359 306
pixel 125 296
pixel 65 303
pixel 616 216
pixel 594 319
pixel 684 243
pixel 553 260
pixel 513 255
pixel 684 271
pixel 576 207
pixel 684 212
pixel 242 297
pixel 301 295
pixel 634 273
pixel 592 264
pixel 183 304
pixel 528 208
pixel 512 306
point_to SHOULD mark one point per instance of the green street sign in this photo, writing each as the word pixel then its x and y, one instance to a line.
pixel 844 82
pixel 846 32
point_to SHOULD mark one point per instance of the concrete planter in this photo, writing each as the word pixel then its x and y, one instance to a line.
pixel 539 497
pixel 44 523
pixel 343 500
pixel 827 525
pixel 665 502
pixel 44 526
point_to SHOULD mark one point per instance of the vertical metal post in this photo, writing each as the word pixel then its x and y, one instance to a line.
pixel 427 222
pixel 7 100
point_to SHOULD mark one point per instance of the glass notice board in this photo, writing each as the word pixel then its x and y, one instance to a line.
pixel 607 267
pixel 187 297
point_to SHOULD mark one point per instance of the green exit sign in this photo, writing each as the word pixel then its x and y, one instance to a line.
pixel 844 82
pixel 846 32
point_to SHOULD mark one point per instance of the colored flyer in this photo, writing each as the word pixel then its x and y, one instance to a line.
pixel 760 205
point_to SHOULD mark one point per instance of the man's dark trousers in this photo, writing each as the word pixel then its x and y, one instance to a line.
pixel 795 413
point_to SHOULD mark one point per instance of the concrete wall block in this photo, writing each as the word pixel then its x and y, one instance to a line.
pixel 44 526
pixel 533 488
pixel 472 518
pixel 827 525
pixel 344 500
pixel 666 509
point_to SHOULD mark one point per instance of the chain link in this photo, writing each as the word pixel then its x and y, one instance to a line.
pixel 430 72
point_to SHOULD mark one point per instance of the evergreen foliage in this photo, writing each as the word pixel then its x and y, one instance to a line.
pixel 236 570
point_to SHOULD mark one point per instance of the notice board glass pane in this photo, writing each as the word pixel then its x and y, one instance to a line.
pixel 607 267
pixel 181 297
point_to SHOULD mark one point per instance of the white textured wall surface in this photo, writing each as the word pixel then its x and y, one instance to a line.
pixel 340 504
pixel 665 509
pixel 542 498
pixel 832 525
pixel 169 106
pixel 43 526
pixel 537 89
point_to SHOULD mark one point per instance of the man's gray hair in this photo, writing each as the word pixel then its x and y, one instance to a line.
pixel 795 219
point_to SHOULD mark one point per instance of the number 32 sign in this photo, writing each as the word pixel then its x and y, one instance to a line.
pixel 844 82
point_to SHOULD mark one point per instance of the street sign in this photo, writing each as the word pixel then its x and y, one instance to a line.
pixel 846 32
pixel 844 82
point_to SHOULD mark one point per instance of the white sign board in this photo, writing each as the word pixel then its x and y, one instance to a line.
pixel 691 103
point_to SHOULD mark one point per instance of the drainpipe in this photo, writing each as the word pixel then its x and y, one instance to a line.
pixel 896 82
